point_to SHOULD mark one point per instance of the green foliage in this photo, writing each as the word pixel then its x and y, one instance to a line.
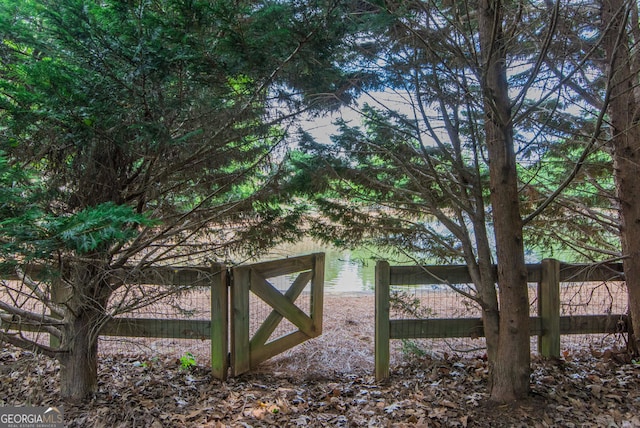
pixel 165 107
pixel 29 231
pixel 412 349
pixel 581 224
pixel 408 304
pixel 414 174
pixel 142 364
pixel 98 227
pixel 381 184
pixel 23 233
pixel 17 189
pixel 187 361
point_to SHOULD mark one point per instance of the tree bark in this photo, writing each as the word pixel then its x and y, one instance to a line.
pixel 490 310
pixel 624 112
pixel 509 372
pixel 86 307
pixel 485 281
pixel 79 365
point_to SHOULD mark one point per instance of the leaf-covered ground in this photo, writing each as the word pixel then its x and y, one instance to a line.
pixel 587 390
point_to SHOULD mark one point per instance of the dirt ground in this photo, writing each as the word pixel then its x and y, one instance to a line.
pixel 328 382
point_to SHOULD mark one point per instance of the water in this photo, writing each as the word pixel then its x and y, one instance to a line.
pixel 345 270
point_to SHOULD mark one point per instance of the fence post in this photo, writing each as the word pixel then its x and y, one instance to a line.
pixel 317 296
pixel 60 293
pixel 240 352
pixel 382 320
pixel 219 323
pixel 549 309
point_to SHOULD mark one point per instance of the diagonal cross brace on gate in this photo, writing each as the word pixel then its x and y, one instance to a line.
pixel 230 312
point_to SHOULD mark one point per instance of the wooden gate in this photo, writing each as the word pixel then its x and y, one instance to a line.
pixel 292 311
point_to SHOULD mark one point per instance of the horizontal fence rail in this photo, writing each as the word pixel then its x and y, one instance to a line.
pixel 204 276
pixel 548 325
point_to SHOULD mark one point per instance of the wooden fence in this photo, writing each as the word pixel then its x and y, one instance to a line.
pixel 214 277
pixel 548 325
pixel 227 328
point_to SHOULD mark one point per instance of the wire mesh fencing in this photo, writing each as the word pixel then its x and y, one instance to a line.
pixel 174 312
pixel 433 302
pixel 432 316
pixel 260 310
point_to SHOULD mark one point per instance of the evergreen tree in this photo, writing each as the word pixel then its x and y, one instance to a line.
pixel 153 131
pixel 466 101
pixel 621 34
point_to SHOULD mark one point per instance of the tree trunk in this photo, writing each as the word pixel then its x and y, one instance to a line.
pixel 84 318
pixel 624 112
pixel 79 365
pixel 509 372
pixel 485 281
pixel 490 312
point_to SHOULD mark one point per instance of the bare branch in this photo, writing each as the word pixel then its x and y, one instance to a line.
pixel 40 294
pixel 32 316
pixel 29 345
